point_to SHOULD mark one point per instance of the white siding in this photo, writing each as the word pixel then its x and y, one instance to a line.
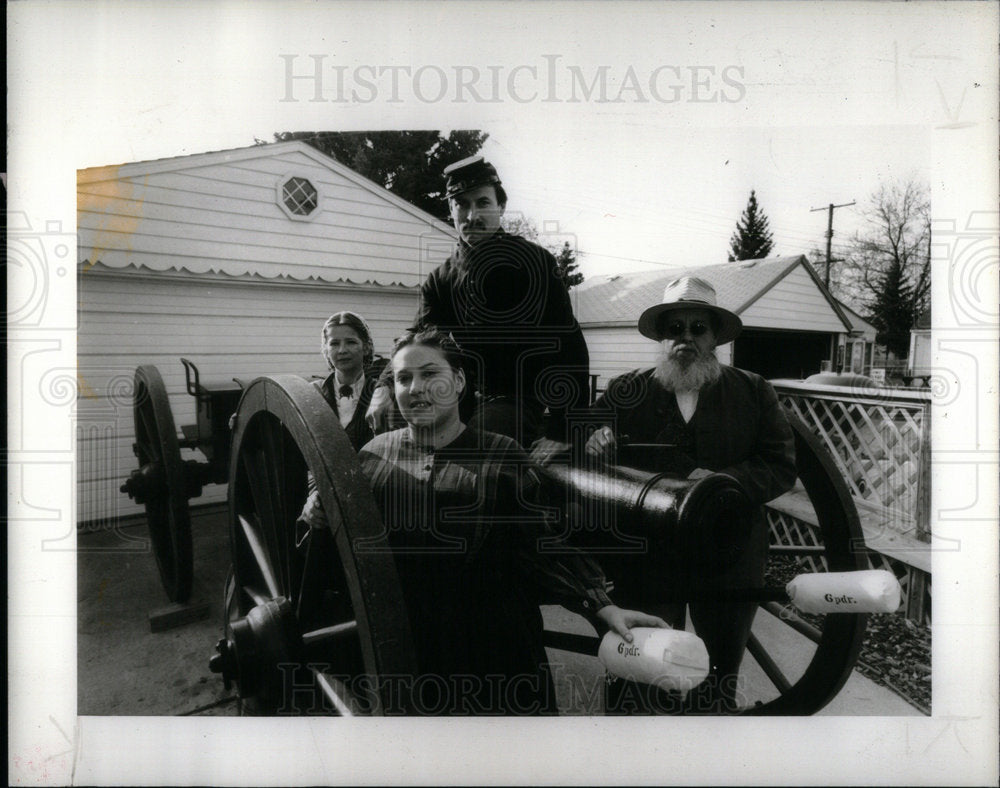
pixel 228 328
pixel 194 257
pixel 224 217
pixel 617 349
pixel 793 303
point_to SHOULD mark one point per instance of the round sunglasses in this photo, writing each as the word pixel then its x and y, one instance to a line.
pixel 676 328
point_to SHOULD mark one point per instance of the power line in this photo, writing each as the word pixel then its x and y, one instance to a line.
pixel 627 259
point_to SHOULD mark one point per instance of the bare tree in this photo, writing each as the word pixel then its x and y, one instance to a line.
pixel 887 266
pixel 519 224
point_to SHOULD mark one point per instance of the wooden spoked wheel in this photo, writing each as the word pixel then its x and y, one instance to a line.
pixel 316 624
pixel 794 664
pixel 160 484
pixel 836 545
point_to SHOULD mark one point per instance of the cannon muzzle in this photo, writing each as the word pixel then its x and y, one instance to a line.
pixel 614 510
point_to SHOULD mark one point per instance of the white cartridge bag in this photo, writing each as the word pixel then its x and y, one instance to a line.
pixel 867 591
pixel 670 659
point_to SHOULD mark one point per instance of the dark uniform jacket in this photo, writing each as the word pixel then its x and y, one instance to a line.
pixel 357 428
pixel 738 428
pixel 505 305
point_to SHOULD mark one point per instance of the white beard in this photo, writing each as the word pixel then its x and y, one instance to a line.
pixel 674 376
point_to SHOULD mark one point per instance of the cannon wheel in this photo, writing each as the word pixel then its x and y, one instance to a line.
pixel 789 687
pixel 313 623
pixel 840 544
pixel 161 483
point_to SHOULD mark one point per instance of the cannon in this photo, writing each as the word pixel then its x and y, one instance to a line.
pixel 315 620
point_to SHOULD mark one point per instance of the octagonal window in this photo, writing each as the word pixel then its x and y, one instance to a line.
pixel 299 197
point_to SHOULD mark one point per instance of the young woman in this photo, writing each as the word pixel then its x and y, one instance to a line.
pixel 458 507
pixel 348 349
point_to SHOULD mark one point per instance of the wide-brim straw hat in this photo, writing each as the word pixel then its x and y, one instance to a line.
pixel 690 292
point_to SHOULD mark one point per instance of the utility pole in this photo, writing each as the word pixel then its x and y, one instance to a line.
pixel 829 236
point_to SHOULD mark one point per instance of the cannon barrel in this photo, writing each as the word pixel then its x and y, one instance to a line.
pixel 614 509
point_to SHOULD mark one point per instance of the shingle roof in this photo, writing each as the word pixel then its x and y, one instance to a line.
pixel 622 297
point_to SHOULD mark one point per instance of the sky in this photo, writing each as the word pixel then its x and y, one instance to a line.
pixel 646 196
pixel 637 128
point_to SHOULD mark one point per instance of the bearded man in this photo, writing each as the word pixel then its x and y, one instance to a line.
pixel 710 418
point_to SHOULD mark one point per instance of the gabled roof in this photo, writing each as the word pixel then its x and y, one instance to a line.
pixel 621 298
pixel 177 163
pixel 858 323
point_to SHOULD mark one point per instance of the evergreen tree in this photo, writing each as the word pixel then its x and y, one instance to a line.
pixel 519 224
pixel 752 239
pixel 410 164
pixel 893 310
pixel 567 265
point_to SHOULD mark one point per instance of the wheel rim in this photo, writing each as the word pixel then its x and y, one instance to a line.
pixel 337 612
pixel 161 480
pixel 840 635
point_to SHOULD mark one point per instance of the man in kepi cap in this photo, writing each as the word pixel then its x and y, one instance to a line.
pixel 714 418
pixel 503 301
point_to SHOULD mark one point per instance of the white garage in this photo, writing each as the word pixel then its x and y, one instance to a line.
pixel 232 259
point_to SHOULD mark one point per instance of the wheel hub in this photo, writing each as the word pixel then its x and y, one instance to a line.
pixel 262 656
pixel 146 483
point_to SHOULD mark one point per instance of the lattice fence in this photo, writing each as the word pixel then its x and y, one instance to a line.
pixel 880 439
pixel 789 530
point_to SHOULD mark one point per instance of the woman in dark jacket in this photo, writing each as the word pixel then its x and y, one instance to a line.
pixel 348 349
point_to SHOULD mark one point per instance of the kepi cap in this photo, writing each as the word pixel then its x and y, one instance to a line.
pixel 468 174
pixel 690 292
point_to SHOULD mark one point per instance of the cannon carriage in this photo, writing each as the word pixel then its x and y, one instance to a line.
pixel 316 622
pixel 164 483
